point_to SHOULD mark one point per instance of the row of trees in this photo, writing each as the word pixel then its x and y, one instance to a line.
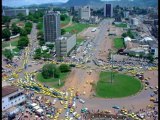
pixel 128 33
pixel 6 33
pixel 51 70
pixel 42 54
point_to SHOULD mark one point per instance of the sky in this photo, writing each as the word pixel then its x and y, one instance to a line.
pixel 17 3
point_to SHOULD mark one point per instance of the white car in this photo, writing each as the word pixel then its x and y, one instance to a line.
pixel 10 79
pixel 54 101
pixel 74 114
pixel 67 114
pixel 71 118
pixel 81 101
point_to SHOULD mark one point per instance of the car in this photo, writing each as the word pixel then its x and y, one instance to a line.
pixel 152 99
pixel 77 116
pixel 151 87
pixel 10 79
pixel 74 114
pixel 67 114
pixel 71 110
pixel 81 101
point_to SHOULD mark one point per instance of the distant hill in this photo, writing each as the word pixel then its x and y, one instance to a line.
pixel 124 3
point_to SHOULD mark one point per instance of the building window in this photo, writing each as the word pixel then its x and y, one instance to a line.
pixel 15 100
pixel 11 102
pixel 2 101
pixel 3 107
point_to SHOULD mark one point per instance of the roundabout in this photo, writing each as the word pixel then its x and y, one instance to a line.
pixel 120 85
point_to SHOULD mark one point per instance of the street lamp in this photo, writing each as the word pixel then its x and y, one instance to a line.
pixel 111 58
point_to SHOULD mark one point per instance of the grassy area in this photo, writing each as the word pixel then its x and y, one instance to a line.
pixel 12 42
pixel 123 25
pixel 118 43
pixel 77 27
pixel 79 40
pixel 65 22
pixel 53 81
pixel 122 85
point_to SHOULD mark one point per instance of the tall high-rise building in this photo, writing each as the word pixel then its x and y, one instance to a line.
pixel 108 10
pixel 85 12
pixel 51 23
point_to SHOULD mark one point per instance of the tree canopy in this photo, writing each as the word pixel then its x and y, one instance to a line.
pixel 15 29
pixel 64 68
pixel 6 34
pixel 23 42
pixel 48 71
pixel 8 54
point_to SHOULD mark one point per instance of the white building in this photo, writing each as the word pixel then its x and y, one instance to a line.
pixel 65 44
pixel 11 96
pixel 85 13
pixel 134 21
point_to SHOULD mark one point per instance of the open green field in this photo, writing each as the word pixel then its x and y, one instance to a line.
pixel 77 27
pixel 118 43
pixel 12 42
pixel 53 82
pixel 122 85
pixel 123 25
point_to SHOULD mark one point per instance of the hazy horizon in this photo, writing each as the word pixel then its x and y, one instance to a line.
pixel 19 3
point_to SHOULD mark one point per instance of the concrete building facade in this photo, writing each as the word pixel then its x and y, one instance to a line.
pixel 85 13
pixel 15 12
pixel 126 14
pixel 108 10
pixel 65 44
pixel 51 23
pixel 11 96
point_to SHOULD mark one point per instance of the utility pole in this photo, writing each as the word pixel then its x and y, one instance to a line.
pixel 111 66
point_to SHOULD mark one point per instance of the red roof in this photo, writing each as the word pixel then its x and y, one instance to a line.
pixel 6 90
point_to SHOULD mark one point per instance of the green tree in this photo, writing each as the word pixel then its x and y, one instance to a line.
pixel 15 29
pixel 63 31
pixel 124 35
pixel 8 54
pixel 51 46
pixel 23 32
pixel 21 16
pixel 28 24
pixel 6 34
pixel 64 68
pixel 40 33
pixel 23 42
pixel 38 53
pixel 6 19
pixel 48 71
pixel 47 56
pixel 150 58
pixel 40 26
pixel 56 73
pixel 28 30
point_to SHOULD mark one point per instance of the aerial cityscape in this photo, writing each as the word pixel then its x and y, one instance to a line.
pixel 80 60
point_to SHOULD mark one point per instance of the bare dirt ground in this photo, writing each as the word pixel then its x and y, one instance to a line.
pixel 87 33
pixel 80 80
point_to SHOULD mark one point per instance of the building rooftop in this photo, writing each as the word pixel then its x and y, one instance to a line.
pixel 127 39
pixel 6 90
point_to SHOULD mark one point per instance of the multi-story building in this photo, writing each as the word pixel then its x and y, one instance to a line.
pixel 65 44
pixel 108 10
pixel 51 23
pixel 134 21
pixel 126 14
pixel 85 13
pixel 12 96
pixel 15 12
